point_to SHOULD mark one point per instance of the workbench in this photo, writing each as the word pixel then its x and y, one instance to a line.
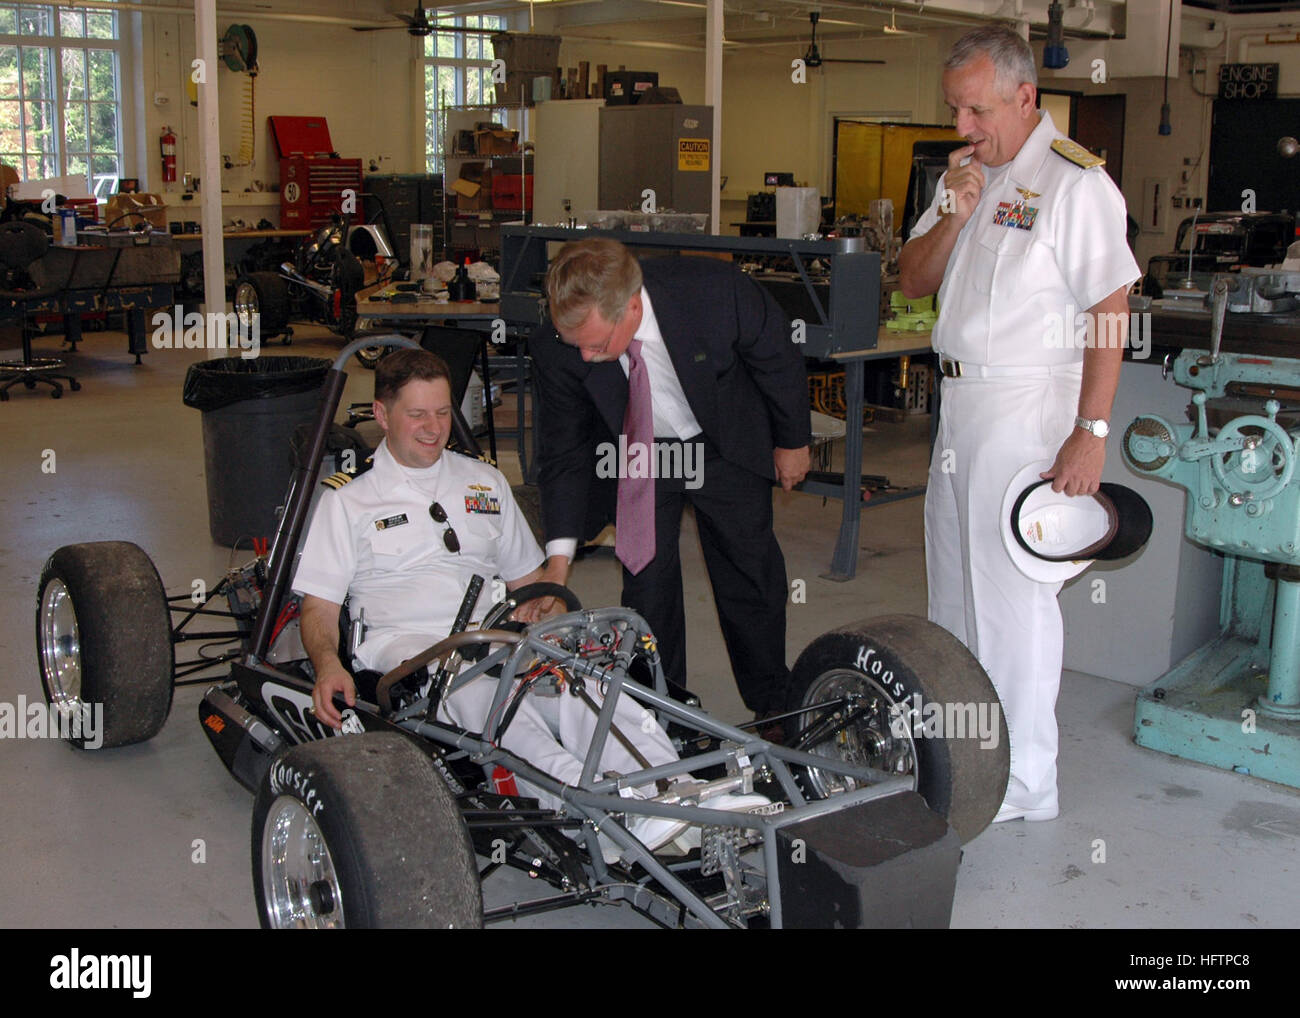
pixel 93 280
pixel 242 240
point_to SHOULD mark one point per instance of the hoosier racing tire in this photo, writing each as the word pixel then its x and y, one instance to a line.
pixel 104 642
pixel 360 831
pixel 913 679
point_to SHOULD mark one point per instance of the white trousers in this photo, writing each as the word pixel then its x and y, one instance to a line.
pixel 989 429
pixel 551 733
pixel 554 734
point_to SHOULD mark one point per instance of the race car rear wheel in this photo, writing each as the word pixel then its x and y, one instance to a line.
pixel 924 707
pixel 263 295
pixel 104 640
pixel 360 831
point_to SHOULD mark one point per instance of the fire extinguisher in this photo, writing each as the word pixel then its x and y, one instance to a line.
pixel 168 144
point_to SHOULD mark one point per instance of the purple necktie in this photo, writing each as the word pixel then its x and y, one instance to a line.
pixel 634 543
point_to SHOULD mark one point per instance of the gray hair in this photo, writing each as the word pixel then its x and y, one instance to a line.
pixel 1012 58
pixel 595 272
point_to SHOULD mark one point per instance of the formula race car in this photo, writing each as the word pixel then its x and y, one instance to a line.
pixel 399 819
pixel 319 285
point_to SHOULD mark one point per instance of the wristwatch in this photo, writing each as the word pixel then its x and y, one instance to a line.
pixel 1098 427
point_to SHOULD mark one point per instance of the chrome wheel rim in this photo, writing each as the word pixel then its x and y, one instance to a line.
pixel 299 884
pixel 871 741
pixel 61 648
pixel 245 304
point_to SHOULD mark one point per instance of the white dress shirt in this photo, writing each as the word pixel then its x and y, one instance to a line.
pixel 673 417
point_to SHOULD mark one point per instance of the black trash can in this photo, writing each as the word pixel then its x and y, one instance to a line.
pixel 251 407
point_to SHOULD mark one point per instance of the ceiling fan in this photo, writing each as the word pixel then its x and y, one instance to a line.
pixel 814 58
pixel 417 24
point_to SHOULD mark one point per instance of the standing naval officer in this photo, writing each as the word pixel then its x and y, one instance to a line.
pixel 1025 229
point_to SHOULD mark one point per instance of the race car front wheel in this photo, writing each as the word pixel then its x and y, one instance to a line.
pixel 902 695
pixel 104 640
pixel 360 831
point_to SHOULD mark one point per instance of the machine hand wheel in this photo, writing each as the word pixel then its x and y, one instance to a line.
pixel 1256 457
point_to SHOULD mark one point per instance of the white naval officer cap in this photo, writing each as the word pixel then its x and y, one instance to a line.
pixel 1052 536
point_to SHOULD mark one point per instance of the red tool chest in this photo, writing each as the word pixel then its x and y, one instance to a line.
pixel 313 180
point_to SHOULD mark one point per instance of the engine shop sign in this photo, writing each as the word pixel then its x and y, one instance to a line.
pixel 693 154
pixel 1248 81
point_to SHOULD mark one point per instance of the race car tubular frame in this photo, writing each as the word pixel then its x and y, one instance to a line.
pixel 597 646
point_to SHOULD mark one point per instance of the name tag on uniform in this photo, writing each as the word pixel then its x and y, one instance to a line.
pixel 480 500
pixel 1016 214
pixel 392 521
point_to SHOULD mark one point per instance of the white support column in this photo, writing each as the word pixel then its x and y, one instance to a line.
pixel 214 251
pixel 713 97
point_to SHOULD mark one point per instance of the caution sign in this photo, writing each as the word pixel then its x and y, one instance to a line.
pixel 693 154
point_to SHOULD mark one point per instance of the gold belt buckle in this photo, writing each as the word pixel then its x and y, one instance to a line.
pixel 950 368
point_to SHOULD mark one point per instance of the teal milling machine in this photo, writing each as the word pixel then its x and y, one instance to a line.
pixel 1235 702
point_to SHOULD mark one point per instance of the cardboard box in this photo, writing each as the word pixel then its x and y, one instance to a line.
pixel 473 195
pixel 495 142
pixel 125 211
pixel 474 171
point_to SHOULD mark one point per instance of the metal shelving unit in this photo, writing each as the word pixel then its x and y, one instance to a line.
pixel 459 227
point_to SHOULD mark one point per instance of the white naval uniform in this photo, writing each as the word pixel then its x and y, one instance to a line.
pixel 1015 402
pixel 375 540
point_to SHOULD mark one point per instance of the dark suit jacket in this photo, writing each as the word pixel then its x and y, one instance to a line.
pixel 731 348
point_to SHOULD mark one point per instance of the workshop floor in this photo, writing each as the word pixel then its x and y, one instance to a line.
pixel 156 835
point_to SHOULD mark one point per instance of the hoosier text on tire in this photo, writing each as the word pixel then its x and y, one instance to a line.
pixel 361 831
pixel 887 667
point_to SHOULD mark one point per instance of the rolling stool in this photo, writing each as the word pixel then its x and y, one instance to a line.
pixel 22 244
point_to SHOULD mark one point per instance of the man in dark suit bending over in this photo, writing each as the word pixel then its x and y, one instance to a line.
pixel 678 377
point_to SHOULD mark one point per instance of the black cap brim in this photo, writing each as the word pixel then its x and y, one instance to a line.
pixel 1134 519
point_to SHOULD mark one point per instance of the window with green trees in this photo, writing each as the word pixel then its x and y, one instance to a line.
pixel 60 94
pixel 457 72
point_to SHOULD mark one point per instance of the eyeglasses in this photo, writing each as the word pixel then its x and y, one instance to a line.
pixel 449 538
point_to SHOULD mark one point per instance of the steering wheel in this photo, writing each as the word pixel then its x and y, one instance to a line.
pixel 497 616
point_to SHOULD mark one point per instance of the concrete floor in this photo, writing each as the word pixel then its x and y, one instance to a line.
pixel 157 835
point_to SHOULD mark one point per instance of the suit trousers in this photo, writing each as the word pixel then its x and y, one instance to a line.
pixel 989 429
pixel 733 512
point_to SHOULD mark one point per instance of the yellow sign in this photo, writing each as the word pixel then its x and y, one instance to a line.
pixel 693 154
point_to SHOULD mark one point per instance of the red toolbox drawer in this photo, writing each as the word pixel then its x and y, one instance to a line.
pixel 506 191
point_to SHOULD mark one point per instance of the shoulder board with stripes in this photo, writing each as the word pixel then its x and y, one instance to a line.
pixel 337 480
pixel 1076 153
